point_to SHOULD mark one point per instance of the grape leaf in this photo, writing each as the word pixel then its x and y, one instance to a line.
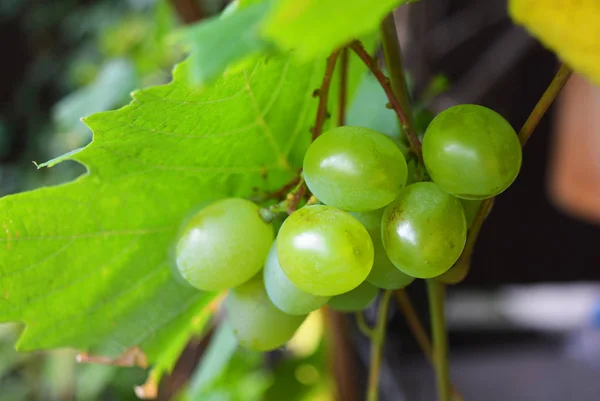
pixel 570 29
pixel 223 40
pixel 316 27
pixel 87 264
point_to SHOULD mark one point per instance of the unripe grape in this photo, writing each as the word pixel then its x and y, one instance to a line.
pixel 283 293
pixel 354 168
pixel 256 322
pixel 223 245
pixel 471 152
pixel 356 299
pixel 324 251
pixel 383 274
pixel 424 230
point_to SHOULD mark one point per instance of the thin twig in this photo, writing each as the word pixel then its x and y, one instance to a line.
pixel 559 81
pixel 362 324
pixel 418 332
pixel 377 342
pixel 323 93
pixel 343 99
pixel 371 63
pixel 395 65
pixel 436 293
pixel 287 187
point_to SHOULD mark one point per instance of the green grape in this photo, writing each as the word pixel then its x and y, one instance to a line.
pixel 223 245
pixel 471 207
pixel 356 299
pixel 354 168
pixel 383 274
pixel 324 251
pixel 471 152
pixel 283 293
pixel 256 322
pixel 424 230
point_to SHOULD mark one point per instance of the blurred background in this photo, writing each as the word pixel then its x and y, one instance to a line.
pixel 525 325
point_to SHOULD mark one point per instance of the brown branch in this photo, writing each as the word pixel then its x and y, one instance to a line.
pixel 344 66
pixel 371 63
pixel 323 93
pixel 188 11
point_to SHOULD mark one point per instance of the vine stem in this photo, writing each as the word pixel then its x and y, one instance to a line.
pixel 384 82
pixel 377 342
pixel 343 94
pixel 460 270
pixel 323 93
pixel 436 293
pixel 418 331
pixel 559 81
pixel 395 66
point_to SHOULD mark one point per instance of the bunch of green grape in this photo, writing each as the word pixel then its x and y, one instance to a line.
pixel 373 227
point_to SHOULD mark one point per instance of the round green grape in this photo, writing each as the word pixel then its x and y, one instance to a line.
pixel 471 152
pixel 324 251
pixel 223 245
pixel 355 300
pixel 354 168
pixel 256 322
pixel 424 230
pixel 284 294
pixel 471 207
pixel 383 274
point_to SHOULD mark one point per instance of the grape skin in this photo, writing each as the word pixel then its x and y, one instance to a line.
pixel 283 293
pixel 256 322
pixel 223 245
pixel 355 300
pixel 324 251
pixel 424 230
pixel 383 274
pixel 471 152
pixel 354 169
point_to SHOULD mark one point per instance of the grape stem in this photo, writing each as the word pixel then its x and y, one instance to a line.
pixel 362 325
pixel 323 94
pixel 461 268
pixel 559 81
pixel 436 294
pixel 384 82
pixel 288 205
pixel 418 331
pixel 343 94
pixel 377 342
pixel 395 66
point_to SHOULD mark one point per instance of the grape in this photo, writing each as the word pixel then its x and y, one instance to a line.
pixel 223 245
pixel 256 322
pixel 424 230
pixel 355 300
pixel 471 152
pixel 324 251
pixel 470 207
pixel 354 168
pixel 383 274
pixel 284 294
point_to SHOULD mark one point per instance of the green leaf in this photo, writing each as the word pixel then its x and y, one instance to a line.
pixel 88 264
pixel 223 40
pixel 317 27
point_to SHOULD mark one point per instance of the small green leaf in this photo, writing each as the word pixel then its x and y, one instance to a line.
pixel 221 41
pixel 316 27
